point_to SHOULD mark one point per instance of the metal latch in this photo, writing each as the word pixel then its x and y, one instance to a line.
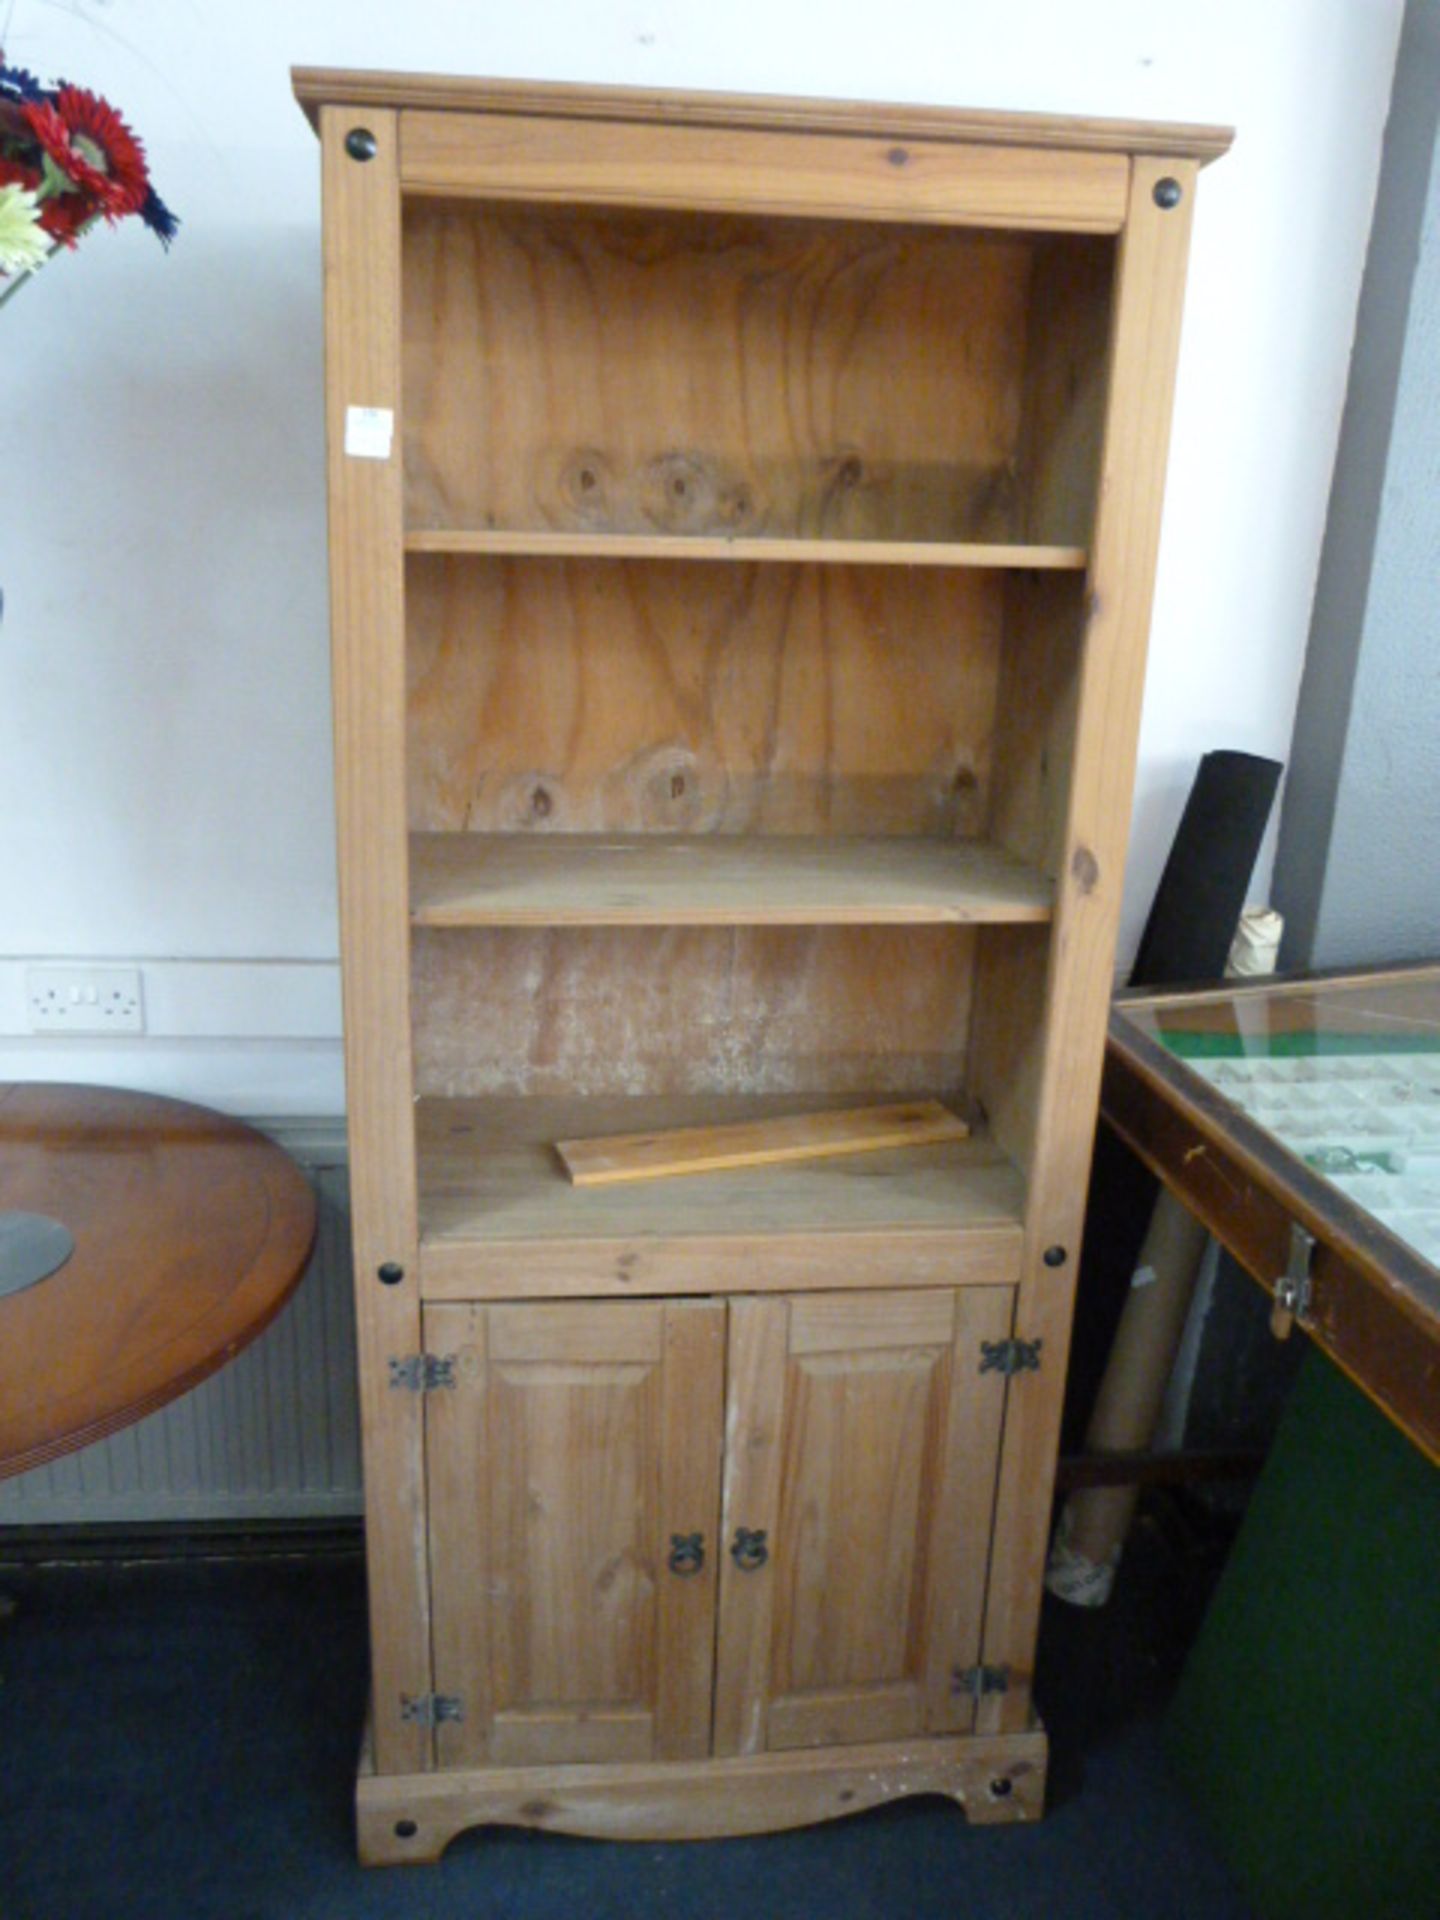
pixel 978 1681
pixel 422 1372
pixel 1294 1290
pixel 429 1709
pixel 1010 1356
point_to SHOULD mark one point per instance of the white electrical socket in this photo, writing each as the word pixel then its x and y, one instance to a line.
pixel 84 1000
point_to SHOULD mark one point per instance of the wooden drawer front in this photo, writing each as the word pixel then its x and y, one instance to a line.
pixel 576 1441
pixel 862 1440
pixel 515 157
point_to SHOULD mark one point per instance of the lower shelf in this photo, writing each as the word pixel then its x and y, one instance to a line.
pixel 500 1219
pixel 413 1817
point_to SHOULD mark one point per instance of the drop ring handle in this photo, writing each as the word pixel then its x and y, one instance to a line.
pixel 748 1549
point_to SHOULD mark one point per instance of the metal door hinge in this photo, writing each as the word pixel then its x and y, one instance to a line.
pixel 978 1681
pixel 1010 1356
pixel 1294 1290
pixel 422 1372
pixel 429 1709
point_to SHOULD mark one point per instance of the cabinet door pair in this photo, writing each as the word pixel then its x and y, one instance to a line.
pixel 665 1528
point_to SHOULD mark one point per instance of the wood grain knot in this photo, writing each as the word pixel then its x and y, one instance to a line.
pixel 666 787
pixel 1084 869
pixel 687 492
pixel 898 157
pixel 586 486
pixel 531 797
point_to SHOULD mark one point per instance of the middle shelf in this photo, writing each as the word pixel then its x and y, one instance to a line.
pixel 462 879
pixel 787 549
pixel 499 1218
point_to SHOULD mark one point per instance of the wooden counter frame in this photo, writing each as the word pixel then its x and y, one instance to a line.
pixel 1369 1289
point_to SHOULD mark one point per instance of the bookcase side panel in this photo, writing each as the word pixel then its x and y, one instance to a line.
pixel 1149 295
pixel 362 300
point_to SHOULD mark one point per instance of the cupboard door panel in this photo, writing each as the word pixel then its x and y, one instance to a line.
pixel 862 1439
pixel 857 1459
pixel 568 1454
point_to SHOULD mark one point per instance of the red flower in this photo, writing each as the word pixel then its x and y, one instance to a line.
pixel 91 145
pixel 65 216
pixel 14 173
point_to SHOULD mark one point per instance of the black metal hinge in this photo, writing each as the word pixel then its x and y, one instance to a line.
pixel 978 1681
pixel 1010 1356
pixel 429 1709
pixel 422 1372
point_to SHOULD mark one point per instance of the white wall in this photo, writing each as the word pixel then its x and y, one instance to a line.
pixel 1356 866
pixel 164 730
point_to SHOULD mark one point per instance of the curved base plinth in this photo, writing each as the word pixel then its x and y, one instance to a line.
pixel 413 1817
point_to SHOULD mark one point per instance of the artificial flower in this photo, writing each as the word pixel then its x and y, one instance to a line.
pixel 17 84
pixel 67 160
pixel 158 217
pixel 22 239
pixel 91 148
pixel 65 216
pixel 14 173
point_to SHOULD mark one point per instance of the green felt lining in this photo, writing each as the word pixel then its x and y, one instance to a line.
pixel 1292 1046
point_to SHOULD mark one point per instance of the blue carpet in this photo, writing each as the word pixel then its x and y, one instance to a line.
pixel 179 1740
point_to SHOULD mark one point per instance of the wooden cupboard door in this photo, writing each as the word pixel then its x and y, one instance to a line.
pixel 861 1440
pixel 579 1442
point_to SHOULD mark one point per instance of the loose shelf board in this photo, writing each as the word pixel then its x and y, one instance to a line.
pixel 661 1154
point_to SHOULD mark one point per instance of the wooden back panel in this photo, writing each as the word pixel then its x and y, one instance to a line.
pixel 691 1010
pixel 658 372
pixel 631 696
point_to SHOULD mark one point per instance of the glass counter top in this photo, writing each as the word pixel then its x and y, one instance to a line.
pixel 1343 1073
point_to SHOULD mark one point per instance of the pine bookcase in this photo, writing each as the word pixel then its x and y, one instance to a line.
pixel 743 518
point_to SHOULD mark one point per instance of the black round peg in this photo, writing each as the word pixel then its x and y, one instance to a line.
pixel 1168 193
pixel 1054 1256
pixel 361 144
pixel 405 1829
pixel 390 1274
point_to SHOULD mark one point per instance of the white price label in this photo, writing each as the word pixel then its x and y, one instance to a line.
pixel 369 432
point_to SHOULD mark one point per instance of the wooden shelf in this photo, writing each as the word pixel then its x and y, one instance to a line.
pixel 497 1214
pixel 605 880
pixel 659 546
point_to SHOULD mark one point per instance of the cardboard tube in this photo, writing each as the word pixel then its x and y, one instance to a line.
pixel 1134 1385
pixel 1095 1520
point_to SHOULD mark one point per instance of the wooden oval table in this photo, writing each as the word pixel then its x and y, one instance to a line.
pixel 190 1231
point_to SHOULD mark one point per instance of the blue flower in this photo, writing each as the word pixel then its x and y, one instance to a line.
pixel 17 84
pixel 158 217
